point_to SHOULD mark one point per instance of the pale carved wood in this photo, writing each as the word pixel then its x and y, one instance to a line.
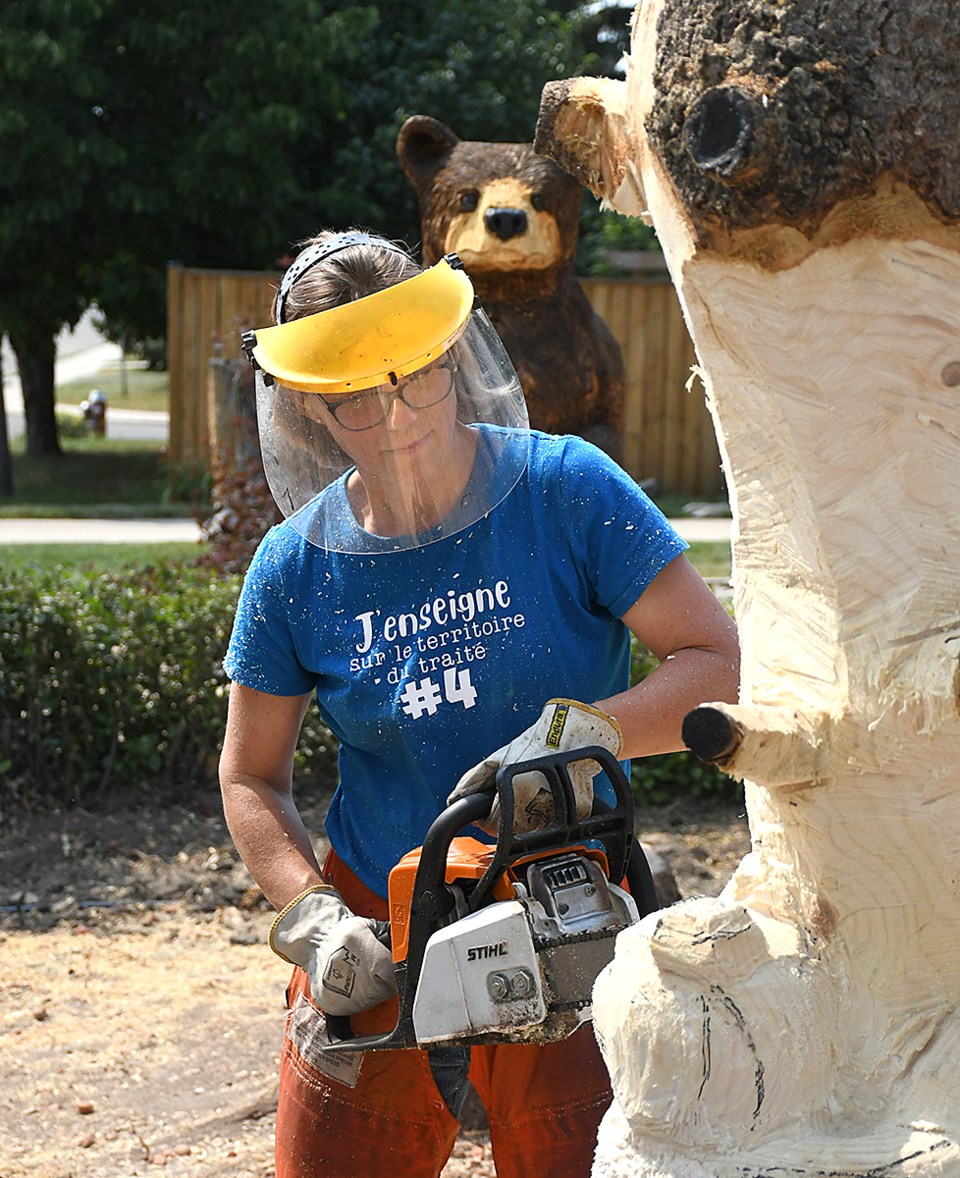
pixel 800 163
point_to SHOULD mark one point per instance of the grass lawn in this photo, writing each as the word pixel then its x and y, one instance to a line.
pixel 97 478
pixel 98 558
pixel 711 559
pixel 130 387
pixel 102 477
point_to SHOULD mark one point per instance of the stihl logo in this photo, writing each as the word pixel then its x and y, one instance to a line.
pixel 556 726
pixel 482 952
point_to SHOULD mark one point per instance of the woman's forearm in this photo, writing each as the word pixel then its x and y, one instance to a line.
pixel 695 639
pixel 256 780
pixel 272 840
pixel 651 714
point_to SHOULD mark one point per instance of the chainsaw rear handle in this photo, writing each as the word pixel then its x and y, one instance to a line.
pixel 432 900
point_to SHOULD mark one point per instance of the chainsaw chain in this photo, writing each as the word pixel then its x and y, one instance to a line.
pixel 542 943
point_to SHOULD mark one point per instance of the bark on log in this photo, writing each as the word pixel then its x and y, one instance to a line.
pixel 801 165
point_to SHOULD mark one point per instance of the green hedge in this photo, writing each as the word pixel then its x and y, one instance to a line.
pixel 115 682
pixel 108 682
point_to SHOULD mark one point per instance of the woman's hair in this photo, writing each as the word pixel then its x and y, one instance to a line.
pixel 348 274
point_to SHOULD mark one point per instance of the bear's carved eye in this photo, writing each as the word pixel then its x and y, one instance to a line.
pixel 539 201
pixel 469 201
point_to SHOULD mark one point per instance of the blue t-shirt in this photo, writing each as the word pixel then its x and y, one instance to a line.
pixel 426 660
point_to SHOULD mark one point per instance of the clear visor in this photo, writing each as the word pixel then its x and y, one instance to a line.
pixel 402 465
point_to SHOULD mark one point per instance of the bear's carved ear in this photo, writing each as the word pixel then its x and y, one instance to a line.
pixel 423 147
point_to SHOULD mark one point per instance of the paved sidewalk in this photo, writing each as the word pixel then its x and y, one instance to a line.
pixel 709 529
pixel 97 531
pixel 145 531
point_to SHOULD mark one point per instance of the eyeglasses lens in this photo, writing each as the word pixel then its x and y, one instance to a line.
pixel 421 390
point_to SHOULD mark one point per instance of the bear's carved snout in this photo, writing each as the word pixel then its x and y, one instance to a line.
pixel 505 223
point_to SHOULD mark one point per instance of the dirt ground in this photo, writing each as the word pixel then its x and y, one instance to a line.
pixel 141 1012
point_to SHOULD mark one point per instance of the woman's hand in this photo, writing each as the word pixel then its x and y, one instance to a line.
pixel 348 967
pixel 563 725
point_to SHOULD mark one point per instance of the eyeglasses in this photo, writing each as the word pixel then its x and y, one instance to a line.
pixel 420 390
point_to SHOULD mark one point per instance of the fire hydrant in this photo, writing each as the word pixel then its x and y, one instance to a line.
pixel 94 411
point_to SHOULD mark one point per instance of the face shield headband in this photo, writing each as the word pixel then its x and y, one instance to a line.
pixel 314 254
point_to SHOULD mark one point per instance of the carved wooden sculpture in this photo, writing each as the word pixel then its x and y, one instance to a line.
pixel 514 217
pixel 801 164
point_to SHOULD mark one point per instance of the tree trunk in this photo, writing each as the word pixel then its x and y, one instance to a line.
pixel 800 165
pixel 35 354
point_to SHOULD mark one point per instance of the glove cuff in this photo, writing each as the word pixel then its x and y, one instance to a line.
pixel 612 740
pixel 275 927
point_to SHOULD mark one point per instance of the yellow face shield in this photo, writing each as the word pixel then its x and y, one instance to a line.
pixel 321 464
pixel 373 341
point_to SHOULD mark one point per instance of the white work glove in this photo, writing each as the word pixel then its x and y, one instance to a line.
pixel 564 725
pixel 349 969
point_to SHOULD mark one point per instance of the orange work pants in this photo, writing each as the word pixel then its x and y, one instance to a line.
pixel 383 1116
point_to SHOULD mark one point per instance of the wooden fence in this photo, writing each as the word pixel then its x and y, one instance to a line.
pixel 668 433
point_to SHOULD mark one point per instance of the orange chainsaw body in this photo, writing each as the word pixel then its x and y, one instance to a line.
pixel 501 942
pixel 467 860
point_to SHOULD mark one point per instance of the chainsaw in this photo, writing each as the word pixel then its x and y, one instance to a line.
pixel 503 943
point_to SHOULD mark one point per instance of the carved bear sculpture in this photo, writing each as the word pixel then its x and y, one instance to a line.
pixel 513 218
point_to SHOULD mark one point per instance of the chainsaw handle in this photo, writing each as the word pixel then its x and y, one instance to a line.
pixel 338 1027
pixel 431 896
pixel 611 826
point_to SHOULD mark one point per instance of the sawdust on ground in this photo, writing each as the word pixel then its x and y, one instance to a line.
pixel 141 1014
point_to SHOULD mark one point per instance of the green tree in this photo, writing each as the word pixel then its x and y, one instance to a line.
pixel 133 135
pixel 479 65
pixel 50 162
pixel 601 33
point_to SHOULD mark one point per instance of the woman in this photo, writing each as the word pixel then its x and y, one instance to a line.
pixel 446 582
